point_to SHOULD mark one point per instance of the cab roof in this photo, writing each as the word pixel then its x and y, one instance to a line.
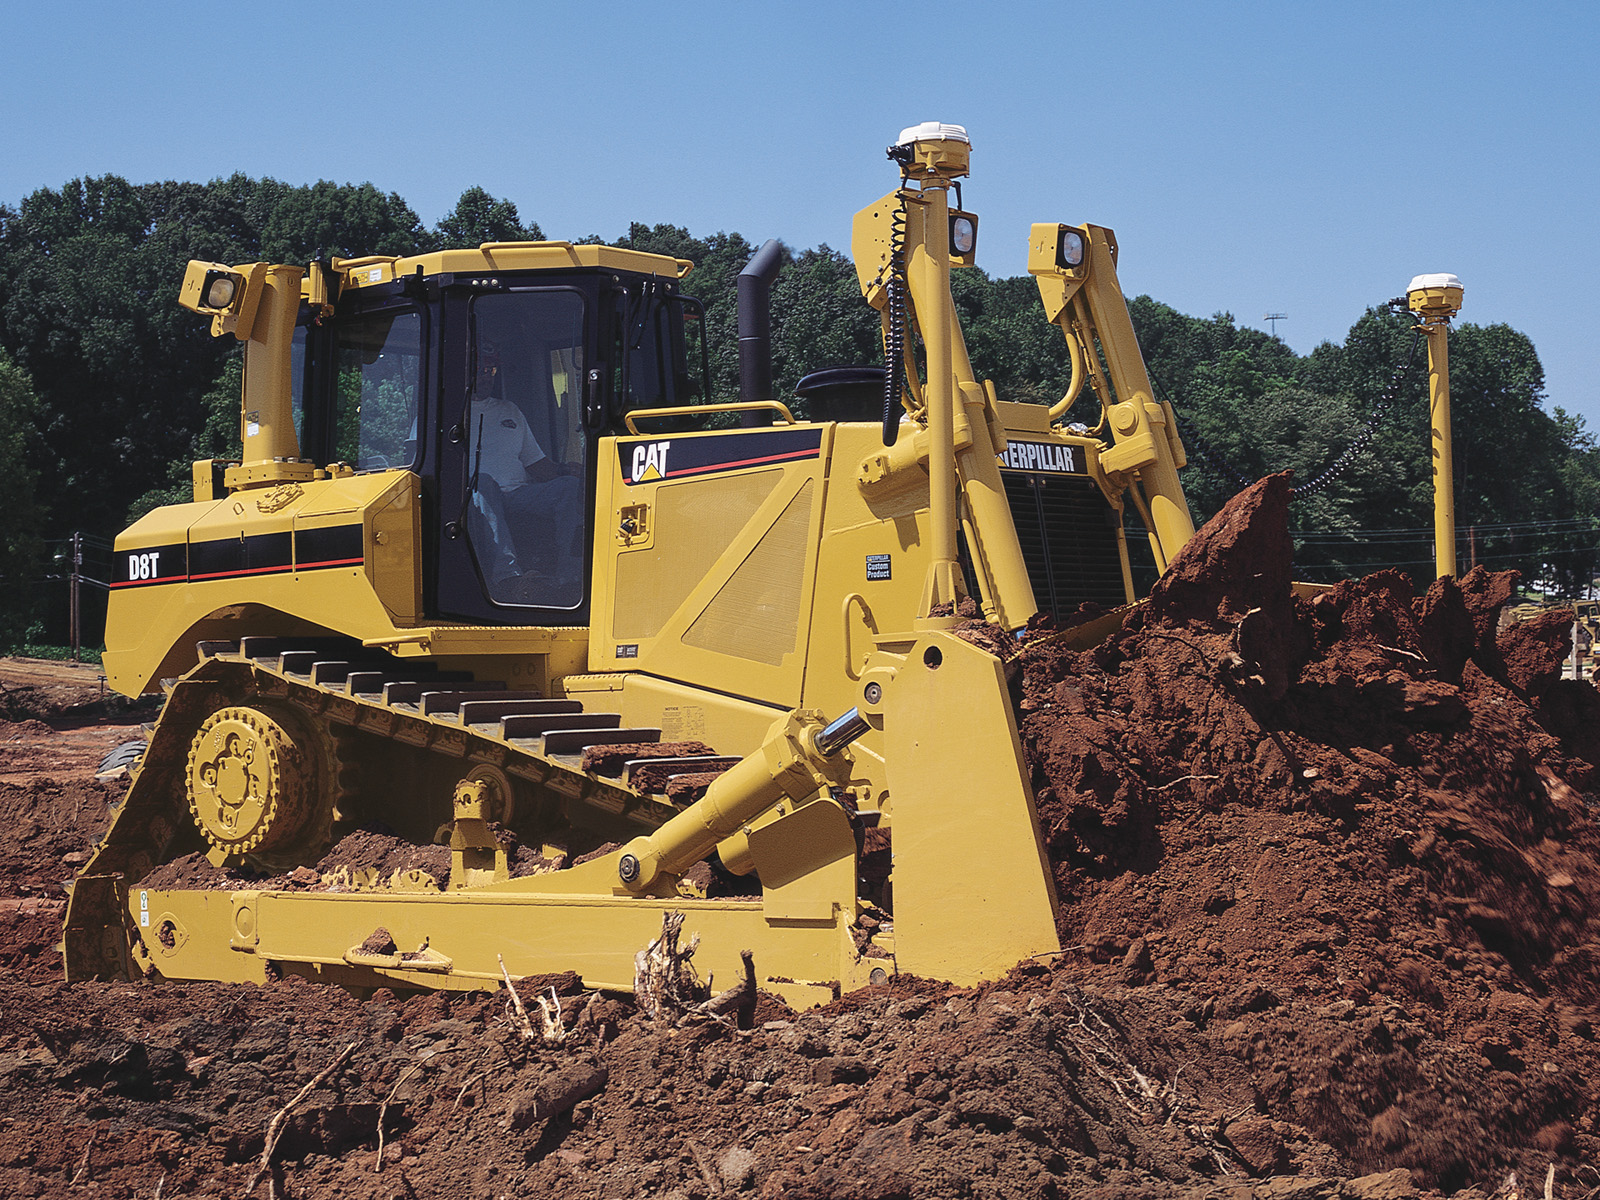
pixel 378 269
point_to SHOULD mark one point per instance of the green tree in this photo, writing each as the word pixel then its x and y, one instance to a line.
pixel 819 319
pixel 297 224
pixel 218 437
pixel 21 553
pixel 89 279
pixel 478 217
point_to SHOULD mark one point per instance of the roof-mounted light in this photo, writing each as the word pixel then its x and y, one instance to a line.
pixel 221 287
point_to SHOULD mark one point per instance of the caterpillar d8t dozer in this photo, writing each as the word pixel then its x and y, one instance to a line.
pixel 495 586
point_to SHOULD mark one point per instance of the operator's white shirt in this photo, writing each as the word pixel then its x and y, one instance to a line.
pixel 509 447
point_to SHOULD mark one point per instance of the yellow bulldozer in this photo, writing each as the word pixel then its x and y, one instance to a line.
pixel 495 579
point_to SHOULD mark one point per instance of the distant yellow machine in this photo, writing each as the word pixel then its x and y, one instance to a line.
pixel 486 526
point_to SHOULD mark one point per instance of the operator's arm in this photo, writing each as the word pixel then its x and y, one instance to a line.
pixel 540 466
pixel 547 469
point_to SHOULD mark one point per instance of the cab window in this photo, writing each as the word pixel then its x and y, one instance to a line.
pixel 378 373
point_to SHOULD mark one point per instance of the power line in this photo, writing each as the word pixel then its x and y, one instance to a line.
pixel 1576 524
pixel 1415 562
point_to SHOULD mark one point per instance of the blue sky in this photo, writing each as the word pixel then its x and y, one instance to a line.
pixel 1252 157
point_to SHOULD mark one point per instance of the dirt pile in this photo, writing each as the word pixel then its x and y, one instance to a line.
pixel 1033 1087
pixel 1364 801
pixel 1329 874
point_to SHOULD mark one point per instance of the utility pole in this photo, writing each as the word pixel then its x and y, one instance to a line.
pixel 77 570
pixel 1272 319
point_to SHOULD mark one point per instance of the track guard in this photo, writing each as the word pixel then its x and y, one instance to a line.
pixel 96 939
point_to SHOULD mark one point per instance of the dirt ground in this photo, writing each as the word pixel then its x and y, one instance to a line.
pixel 1330 884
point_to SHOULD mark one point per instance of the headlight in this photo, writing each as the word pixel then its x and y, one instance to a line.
pixel 1070 248
pixel 963 233
pixel 220 289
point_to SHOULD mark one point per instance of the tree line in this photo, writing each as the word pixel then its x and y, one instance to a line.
pixel 108 389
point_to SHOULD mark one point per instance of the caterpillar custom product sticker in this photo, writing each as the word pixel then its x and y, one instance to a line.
pixel 1054 458
pixel 235 557
pixel 648 460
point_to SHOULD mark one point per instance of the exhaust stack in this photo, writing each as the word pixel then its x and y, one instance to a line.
pixel 755 328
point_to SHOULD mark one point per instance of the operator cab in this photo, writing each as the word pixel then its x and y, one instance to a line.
pixel 492 386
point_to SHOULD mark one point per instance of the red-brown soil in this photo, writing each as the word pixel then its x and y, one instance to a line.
pixel 1329 874
pixel 1363 804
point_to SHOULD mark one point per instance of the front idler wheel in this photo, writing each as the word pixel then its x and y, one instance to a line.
pixel 253 783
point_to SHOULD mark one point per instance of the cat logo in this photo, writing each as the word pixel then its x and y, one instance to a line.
pixel 649 461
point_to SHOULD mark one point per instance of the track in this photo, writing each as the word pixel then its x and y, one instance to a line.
pixel 399 738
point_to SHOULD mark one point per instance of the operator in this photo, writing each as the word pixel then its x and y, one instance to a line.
pixel 531 505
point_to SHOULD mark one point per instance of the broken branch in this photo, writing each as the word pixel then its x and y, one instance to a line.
pixel 524 1025
pixel 740 998
pixel 275 1126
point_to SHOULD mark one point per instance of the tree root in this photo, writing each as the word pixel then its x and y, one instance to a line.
pixel 275 1126
pixel 553 1029
pixel 383 1111
pixel 664 980
pixel 1139 1093
pixel 82 1172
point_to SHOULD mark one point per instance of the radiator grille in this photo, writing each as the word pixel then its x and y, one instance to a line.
pixel 1069 540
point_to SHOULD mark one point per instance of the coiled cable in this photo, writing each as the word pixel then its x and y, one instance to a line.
pixel 895 333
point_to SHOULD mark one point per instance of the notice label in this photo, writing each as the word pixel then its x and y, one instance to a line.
pixel 877 567
pixel 682 722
